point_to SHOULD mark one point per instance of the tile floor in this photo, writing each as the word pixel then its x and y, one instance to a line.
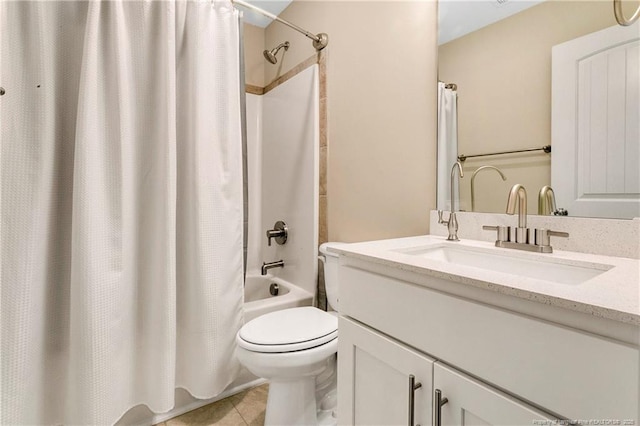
pixel 244 409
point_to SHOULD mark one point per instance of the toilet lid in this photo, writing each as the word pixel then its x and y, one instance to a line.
pixel 289 330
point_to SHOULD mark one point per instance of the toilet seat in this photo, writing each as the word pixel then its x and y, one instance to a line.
pixel 288 330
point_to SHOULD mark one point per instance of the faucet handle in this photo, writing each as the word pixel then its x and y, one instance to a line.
pixel 558 234
pixel 440 220
pixel 502 231
pixel 543 236
pixel 280 232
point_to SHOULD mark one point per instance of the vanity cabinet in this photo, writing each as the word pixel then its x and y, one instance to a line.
pixel 379 371
pixel 495 365
pixel 380 377
pixel 471 402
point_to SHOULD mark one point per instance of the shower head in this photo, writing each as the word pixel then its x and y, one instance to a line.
pixel 270 55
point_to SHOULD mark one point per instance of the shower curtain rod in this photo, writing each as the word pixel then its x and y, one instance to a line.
pixel 546 148
pixel 320 40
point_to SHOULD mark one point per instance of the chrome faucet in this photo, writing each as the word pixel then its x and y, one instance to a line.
pixel 271 265
pixel 473 176
pixel 519 194
pixel 546 201
pixel 523 238
pixel 452 222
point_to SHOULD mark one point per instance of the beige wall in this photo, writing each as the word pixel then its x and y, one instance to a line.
pixel 381 75
pixel 503 73
pixel 253 59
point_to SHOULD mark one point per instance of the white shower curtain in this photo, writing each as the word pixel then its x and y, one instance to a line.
pixel 447 144
pixel 121 206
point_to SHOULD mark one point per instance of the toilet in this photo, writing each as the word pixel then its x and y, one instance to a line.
pixel 295 349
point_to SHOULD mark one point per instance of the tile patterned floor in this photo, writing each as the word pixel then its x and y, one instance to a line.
pixel 244 409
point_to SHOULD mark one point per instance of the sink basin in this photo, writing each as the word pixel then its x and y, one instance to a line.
pixel 533 267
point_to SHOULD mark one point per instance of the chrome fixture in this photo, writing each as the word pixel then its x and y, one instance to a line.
pixel 473 176
pixel 521 237
pixel 413 386
pixel 546 201
pixel 280 232
pixel 617 11
pixel 271 265
pixel 438 402
pixel 539 240
pixel 519 194
pixel 320 40
pixel 274 289
pixel 546 148
pixel 452 222
pixel 270 55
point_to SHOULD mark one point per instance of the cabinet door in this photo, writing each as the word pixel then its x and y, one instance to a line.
pixel 374 373
pixel 471 402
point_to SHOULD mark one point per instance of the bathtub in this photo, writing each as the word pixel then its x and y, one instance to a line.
pixel 258 301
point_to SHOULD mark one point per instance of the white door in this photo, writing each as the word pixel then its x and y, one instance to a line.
pixel 470 402
pixel 596 123
pixel 375 373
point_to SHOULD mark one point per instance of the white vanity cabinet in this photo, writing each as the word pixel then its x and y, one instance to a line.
pixel 388 382
pixel 495 365
pixel 471 402
pixel 384 376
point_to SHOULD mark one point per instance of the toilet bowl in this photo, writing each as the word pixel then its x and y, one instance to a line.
pixel 295 349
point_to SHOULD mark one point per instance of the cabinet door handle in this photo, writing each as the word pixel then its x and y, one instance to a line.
pixel 412 398
pixel 438 402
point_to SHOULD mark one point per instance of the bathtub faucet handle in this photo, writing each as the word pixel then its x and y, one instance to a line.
pixel 280 232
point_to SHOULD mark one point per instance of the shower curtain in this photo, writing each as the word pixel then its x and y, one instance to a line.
pixel 447 144
pixel 121 206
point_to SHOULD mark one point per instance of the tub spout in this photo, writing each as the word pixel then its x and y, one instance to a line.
pixel 271 265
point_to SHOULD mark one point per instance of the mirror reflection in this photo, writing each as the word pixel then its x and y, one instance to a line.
pixel 495 68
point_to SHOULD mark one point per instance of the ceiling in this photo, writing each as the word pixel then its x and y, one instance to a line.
pixel 273 6
pixel 455 17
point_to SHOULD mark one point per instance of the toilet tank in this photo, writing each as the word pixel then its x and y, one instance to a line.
pixel 330 261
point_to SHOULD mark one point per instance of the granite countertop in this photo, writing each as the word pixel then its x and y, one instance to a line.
pixel 614 293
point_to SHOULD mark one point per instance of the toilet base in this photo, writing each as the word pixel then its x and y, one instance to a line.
pixel 307 401
pixel 291 402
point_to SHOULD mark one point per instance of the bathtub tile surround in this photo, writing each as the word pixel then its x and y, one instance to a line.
pixel 321 59
pixel 283 136
pixel 609 237
pixel 254 90
pixel 242 409
pixel 323 230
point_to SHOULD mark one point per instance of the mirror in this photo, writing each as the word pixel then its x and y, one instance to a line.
pixel 498 54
